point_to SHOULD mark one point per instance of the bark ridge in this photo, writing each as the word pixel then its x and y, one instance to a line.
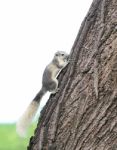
pixel 83 114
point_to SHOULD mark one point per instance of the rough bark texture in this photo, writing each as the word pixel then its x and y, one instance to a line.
pixel 83 114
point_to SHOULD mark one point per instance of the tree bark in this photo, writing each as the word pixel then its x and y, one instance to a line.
pixel 83 114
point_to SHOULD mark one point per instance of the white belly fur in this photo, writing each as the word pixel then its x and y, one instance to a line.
pixel 55 71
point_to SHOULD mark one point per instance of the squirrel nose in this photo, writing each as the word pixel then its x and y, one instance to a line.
pixel 67 57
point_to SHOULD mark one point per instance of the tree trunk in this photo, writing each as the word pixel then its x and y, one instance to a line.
pixel 83 114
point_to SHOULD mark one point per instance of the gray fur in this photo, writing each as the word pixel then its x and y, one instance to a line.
pixel 49 80
pixel 49 83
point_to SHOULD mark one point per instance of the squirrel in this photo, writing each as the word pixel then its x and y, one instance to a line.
pixel 49 83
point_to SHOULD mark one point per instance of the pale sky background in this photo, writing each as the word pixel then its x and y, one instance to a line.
pixel 31 31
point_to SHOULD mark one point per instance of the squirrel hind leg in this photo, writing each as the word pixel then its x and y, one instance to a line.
pixel 53 86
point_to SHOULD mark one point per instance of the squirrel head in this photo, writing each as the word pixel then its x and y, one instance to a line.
pixel 61 59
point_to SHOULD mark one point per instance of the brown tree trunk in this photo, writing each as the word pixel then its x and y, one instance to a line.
pixel 83 114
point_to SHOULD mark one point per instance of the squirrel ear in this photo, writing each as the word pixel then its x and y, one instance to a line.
pixel 56 54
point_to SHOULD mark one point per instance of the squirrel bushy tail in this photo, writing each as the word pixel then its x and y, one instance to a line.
pixel 27 117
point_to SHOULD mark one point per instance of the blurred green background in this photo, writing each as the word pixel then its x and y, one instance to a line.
pixel 9 140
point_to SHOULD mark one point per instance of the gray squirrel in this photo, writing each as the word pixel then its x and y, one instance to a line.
pixel 49 83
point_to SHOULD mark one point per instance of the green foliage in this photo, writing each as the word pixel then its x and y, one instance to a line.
pixel 9 140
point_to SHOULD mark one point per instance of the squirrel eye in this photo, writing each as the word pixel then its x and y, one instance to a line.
pixel 62 54
pixel 56 54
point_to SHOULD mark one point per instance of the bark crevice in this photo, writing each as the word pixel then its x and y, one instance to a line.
pixel 83 114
